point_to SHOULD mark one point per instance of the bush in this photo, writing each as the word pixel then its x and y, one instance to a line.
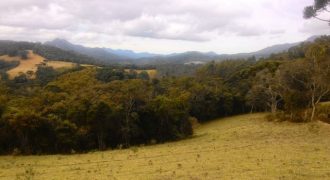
pixel 296 116
pixel 323 113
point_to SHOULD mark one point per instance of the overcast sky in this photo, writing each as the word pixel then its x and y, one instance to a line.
pixel 160 26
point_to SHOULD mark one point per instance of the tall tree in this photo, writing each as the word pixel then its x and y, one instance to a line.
pixel 318 59
pixel 315 10
pixel 265 91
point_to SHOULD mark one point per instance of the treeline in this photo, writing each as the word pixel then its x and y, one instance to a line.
pixel 76 111
pixel 100 108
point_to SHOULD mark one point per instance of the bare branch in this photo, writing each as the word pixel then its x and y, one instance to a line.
pixel 321 19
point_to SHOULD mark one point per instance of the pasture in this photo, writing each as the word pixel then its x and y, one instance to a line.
pixel 239 147
pixel 31 64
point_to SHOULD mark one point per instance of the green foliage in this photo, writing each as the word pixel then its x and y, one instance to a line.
pixel 109 74
pixel 323 112
pixel 143 75
pixel 6 65
pixel 99 108
pixel 314 10
pixel 46 74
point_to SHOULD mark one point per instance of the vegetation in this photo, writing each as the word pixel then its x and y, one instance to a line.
pixel 86 108
pixel 13 48
pixel 239 147
pixel 318 7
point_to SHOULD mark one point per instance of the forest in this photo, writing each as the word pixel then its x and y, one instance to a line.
pixel 106 107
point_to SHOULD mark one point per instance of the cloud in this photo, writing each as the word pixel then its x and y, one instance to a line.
pixel 277 31
pixel 167 19
pixel 159 24
pixel 315 26
pixel 51 16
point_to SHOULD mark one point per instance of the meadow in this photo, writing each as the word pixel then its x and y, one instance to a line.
pixel 239 147
pixel 31 64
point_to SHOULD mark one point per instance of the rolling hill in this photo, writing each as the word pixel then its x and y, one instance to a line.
pixel 31 64
pixel 97 53
pixel 240 147
pixel 34 60
pixel 62 50
pixel 131 57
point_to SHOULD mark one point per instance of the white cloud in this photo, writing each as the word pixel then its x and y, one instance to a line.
pixel 161 26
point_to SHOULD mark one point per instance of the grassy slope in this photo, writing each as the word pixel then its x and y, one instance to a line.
pixel 32 63
pixel 240 147
pixel 34 60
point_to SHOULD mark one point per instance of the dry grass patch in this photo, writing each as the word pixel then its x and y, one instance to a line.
pixel 31 64
pixel 240 147
pixel 60 64
pixel 26 65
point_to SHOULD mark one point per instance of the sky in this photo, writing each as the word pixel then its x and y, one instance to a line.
pixel 160 26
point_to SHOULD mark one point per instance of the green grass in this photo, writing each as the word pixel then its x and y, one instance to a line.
pixel 240 147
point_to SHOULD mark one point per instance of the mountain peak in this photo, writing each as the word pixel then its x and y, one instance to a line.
pixel 57 40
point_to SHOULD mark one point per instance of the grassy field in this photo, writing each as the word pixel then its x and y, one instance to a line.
pixel 32 63
pixel 24 66
pixel 240 147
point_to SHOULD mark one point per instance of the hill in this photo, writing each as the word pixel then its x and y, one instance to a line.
pixel 59 49
pixel 97 53
pixel 131 54
pixel 190 57
pixel 31 64
pixel 15 48
pixel 240 147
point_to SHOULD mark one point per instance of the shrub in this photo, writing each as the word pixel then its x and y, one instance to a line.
pixel 323 113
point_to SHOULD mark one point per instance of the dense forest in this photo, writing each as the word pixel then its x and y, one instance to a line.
pixel 88 108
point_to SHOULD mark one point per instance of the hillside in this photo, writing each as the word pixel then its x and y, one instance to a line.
pixel 31 64
pixel 97 53
pixel 131 57
pixel 240 147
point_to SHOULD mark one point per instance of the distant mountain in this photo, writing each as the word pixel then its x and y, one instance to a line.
pixel 97 53
pixel 130 54
pixel 199 57
pixel 181 58
pixel 46 51
pixel 191 57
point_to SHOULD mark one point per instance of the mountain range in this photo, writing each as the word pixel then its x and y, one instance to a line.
pixel 131 57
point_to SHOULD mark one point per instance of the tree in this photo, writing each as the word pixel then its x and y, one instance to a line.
pixel 99 117
pixel 167 118
pixel 3 98
pixel 21 78
pixel 129 96
pixel 318 59
pixel 34 132
pixel 143 75
pixel 305 82
pixel 45 74
pixel 23 54
pixel 314 10
pixel 266 90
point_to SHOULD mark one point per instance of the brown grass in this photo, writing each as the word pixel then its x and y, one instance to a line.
pixel 60 64
pixel 31 64
pixel 240 147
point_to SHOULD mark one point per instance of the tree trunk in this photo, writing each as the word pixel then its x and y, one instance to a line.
pixel 100 139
